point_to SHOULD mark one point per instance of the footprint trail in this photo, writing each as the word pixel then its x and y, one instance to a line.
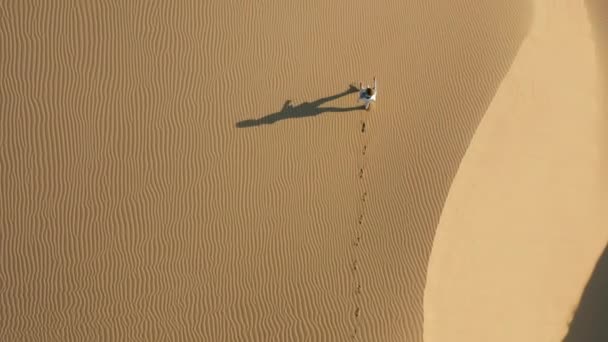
pixel 359 230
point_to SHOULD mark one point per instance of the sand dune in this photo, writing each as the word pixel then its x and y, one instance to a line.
pixel 525 221
pixel 158 185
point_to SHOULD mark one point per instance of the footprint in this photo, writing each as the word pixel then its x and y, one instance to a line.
pixel 358 289
pixel 364 196
pixel 357 312
pixel 357 241
pixel 363 127
pixel 355 265
pixel 364 149
pixel 361 173
pixel 360 218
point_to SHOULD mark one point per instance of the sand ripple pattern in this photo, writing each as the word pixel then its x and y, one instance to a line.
pixel 132 208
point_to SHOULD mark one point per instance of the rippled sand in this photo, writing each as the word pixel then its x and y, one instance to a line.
pixel 202 171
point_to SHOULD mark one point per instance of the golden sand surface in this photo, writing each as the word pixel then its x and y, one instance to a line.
pixel 517 253
pixel 200 170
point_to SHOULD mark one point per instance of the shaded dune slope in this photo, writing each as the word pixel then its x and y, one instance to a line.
pixel 589 322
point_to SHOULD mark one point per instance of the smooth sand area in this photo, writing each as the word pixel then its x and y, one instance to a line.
pixel 525 222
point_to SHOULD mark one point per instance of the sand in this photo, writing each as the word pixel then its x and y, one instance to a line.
pixel 201 170
pixel 525 221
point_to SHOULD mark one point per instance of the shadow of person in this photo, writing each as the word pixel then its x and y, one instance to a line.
pixel 590 320
pixel 302 110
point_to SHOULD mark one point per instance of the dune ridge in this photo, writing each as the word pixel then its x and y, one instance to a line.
pixel 524 223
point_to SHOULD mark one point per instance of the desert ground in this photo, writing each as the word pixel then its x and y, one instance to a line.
pixel 202 171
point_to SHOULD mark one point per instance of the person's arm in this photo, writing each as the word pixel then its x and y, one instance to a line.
pixel 374 82
pixel 360 85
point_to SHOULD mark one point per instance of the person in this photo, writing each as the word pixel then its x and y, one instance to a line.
pixel 367 94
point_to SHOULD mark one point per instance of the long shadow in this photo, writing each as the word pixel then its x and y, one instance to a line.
pixel 302 110
pixel 590 323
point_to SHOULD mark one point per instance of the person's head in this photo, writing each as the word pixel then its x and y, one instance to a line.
pixel 370 91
